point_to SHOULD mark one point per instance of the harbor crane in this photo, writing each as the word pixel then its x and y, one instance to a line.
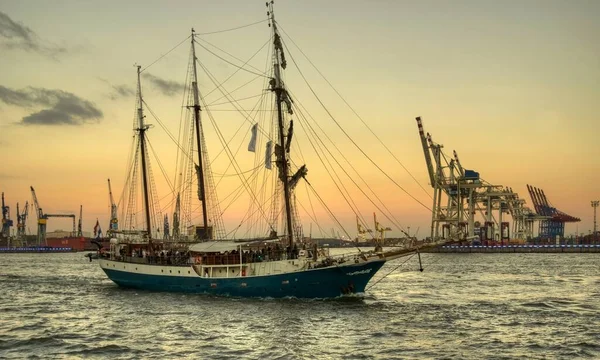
pixel 80 224
pixel 43 219
pixel 380 230
pixel 21 220
pixel 114 221
pixel 362 231
pixel 6 221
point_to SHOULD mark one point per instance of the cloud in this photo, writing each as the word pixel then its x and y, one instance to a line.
pixel 64 108
pixel 19 36
pixel 124 90
pixel 119 91
pixel 166 87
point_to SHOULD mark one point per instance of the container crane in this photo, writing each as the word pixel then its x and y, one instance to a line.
pixel 114 221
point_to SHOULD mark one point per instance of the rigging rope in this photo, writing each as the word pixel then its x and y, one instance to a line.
pixel 230 63
pixel 167 53
pixel 352 140
pixel 226 147
pixel 328 210
pixel 167 131
pixel 354 111
pixel 386 275
pixel 162 169
pixel 232 29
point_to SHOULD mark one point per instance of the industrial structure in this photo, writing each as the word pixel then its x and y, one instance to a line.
pixel 80 223
pixel 114 221
pixel 21 220
pixel 42 220
pixel 460 194
pixel 380 230
pixel 7 223
pixel 554 224
pixel 362 231
pixel 595 204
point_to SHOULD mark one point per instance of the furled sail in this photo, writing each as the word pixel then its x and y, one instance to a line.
pixel 268 153
pixel 252 144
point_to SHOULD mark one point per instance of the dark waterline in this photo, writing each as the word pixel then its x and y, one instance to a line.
pixel 462 306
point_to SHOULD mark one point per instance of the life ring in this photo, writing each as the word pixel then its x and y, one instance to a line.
pixel 243 272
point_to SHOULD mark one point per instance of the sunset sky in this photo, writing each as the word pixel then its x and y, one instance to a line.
pixel 512 86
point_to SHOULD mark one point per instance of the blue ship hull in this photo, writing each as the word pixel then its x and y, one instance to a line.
pixel 315 283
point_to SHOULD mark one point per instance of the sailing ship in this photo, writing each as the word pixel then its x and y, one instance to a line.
pixel 273 265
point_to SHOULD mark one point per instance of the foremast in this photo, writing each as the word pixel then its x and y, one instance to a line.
pixel 281 94
pixel 200 166
pixel 142 132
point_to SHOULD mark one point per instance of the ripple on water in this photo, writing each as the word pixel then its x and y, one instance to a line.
pixel 465 307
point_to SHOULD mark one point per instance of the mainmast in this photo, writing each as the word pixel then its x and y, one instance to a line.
pixel 199 167
pixel 281 96
pixel 142 130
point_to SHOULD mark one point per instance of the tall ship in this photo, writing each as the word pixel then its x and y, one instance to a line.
pixel 277 259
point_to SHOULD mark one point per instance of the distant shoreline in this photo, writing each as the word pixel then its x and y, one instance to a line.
pixel 581 248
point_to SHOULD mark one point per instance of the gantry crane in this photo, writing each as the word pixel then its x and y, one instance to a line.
pixel 43 220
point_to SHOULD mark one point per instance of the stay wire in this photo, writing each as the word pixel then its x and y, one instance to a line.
pixel 389 273
pixel 352 140
pixel 227 149
pixel 167 53
pixel 357 213
pixel 229 62
pixel 232 29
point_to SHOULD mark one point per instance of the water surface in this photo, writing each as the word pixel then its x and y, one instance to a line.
pixel 463 306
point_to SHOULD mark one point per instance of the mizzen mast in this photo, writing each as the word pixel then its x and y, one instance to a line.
pixel 199 167
pixel 281 97
pixel 142 131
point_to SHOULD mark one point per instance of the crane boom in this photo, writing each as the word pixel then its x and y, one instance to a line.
pixel 22 219
pixel 114 221
pixel 426 152
pixel 38 209
pixel 41 220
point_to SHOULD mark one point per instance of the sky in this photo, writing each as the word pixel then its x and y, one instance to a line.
pixel 512 86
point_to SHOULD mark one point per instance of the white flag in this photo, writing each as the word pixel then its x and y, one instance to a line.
pixel 268 154
pixel 252 145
